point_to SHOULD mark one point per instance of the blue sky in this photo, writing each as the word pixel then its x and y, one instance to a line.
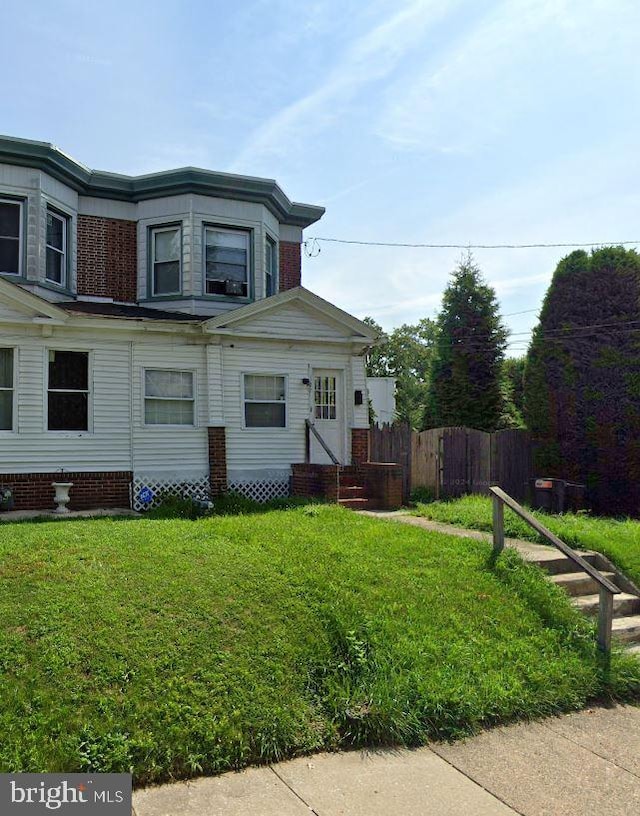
pixel 451 121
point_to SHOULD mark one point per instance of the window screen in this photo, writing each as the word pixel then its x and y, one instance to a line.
pixel 227 262
pixel 68 391
pixel 6 389
pixel 264 401
pixel 168 397
pixel 10 217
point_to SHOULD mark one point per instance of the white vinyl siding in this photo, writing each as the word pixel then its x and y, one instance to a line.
pixel 7 388
pixel 10 237
pixel 168 397
pixel 56 248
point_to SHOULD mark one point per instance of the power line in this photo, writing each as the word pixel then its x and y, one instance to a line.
pixel 312 247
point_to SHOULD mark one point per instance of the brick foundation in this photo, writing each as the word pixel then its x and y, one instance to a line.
pixel 90 491
pixel 290 265
pixel 315 481
pixel 217 459
pixel 359 445
pixel 107 258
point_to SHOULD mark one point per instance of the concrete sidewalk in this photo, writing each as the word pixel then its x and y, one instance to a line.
pixel 585 763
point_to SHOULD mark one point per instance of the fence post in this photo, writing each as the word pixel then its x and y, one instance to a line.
pixel 605 619
pixel 498 525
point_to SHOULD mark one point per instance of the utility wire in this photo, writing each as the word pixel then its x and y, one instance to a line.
pixel 312 248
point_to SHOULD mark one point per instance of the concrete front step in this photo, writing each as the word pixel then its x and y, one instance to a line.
pixel 556 564
pixel 627 628
pixel 623 604
pixel 354 504
pixel 579 583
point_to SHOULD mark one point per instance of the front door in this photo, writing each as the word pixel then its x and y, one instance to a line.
pixel 327 415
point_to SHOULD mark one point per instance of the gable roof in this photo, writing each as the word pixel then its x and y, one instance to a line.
pixel 24 301
pixel 101 184
pixel 348 326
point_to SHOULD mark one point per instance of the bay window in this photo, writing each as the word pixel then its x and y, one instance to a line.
pixel 6 389
pixel 68 391
pixel 166 260
pixel 265 404
pixel 56 264
pixel 226 254
pixel 270 268
pixel 168 397
pixel 10 236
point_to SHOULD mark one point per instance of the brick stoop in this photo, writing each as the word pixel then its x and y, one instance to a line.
pixel 352 493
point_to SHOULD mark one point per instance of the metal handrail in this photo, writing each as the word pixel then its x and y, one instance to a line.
pixel 311 427
pixel 606 589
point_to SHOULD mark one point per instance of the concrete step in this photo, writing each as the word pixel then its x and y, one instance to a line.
pixel 623 604
pixel 352 492
pixel 578 583
pixel 354 504
pixel 627 628
pixel 555 563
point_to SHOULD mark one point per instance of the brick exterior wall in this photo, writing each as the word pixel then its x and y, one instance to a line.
pixel 359 445
pixel 217 460
pixel 382 483
pixel 311 481
pixel 290 265
pixel 107 258
pixel 90 491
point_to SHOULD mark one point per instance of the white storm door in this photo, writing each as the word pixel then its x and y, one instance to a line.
pixel 327 415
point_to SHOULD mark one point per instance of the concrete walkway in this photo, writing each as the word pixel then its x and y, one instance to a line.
pixel 585 763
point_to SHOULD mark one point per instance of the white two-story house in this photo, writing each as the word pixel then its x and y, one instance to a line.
pixel 154 334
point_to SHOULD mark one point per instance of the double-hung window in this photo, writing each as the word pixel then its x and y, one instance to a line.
pixel 68 391
pixel 265 401
pixel 166 260
pixel 57 228
pixel 10 235
pixel 226 262
pixel 168 397
pixel 6 389
pixel 270 267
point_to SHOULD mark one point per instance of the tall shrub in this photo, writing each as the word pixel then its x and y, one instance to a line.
pixel 467 385
pixel 582 377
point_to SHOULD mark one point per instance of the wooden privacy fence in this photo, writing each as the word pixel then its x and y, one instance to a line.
pixel 454 461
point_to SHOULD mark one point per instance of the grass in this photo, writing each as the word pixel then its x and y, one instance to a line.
pixel 178 647
pixel 618 539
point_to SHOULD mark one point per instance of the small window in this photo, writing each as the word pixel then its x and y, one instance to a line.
pixel 10 232
pixel 168 397
pixel 56 248
pixel 264 401
pixel 6 389
pixel 68 391
pixel 166 246
pixel 325 397
pixel 270 267
pixel 226 262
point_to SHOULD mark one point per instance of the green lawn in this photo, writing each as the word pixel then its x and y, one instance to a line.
pixel 617 539
pixel 177 647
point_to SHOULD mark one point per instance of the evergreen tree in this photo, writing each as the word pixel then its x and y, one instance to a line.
pixel 405 354
pixel 467 385
pixel 582 378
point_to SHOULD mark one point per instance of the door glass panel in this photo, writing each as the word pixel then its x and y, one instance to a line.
pixel 325 397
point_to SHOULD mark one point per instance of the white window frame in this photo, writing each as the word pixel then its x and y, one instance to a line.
pixel 63 252
pixel 248 233
pixel 19 204
pixel 271 241
pixel 89 392
pixel 152 282
pixel 193 399
pixel 265 428
pixel 14 389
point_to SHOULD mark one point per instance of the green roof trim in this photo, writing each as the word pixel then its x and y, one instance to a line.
pixel 50 159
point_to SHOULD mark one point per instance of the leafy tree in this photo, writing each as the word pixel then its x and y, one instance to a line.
pixel 513 392
pixel 405 354
pixel 467 385
pixel 582 377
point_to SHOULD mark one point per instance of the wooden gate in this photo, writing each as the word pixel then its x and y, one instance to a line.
pixel 392 443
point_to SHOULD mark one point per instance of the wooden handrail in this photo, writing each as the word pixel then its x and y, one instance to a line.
pixel 606 589
pixel 311 427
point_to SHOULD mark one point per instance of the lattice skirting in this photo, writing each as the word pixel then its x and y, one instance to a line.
pixel 261 490
pixel 147 493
